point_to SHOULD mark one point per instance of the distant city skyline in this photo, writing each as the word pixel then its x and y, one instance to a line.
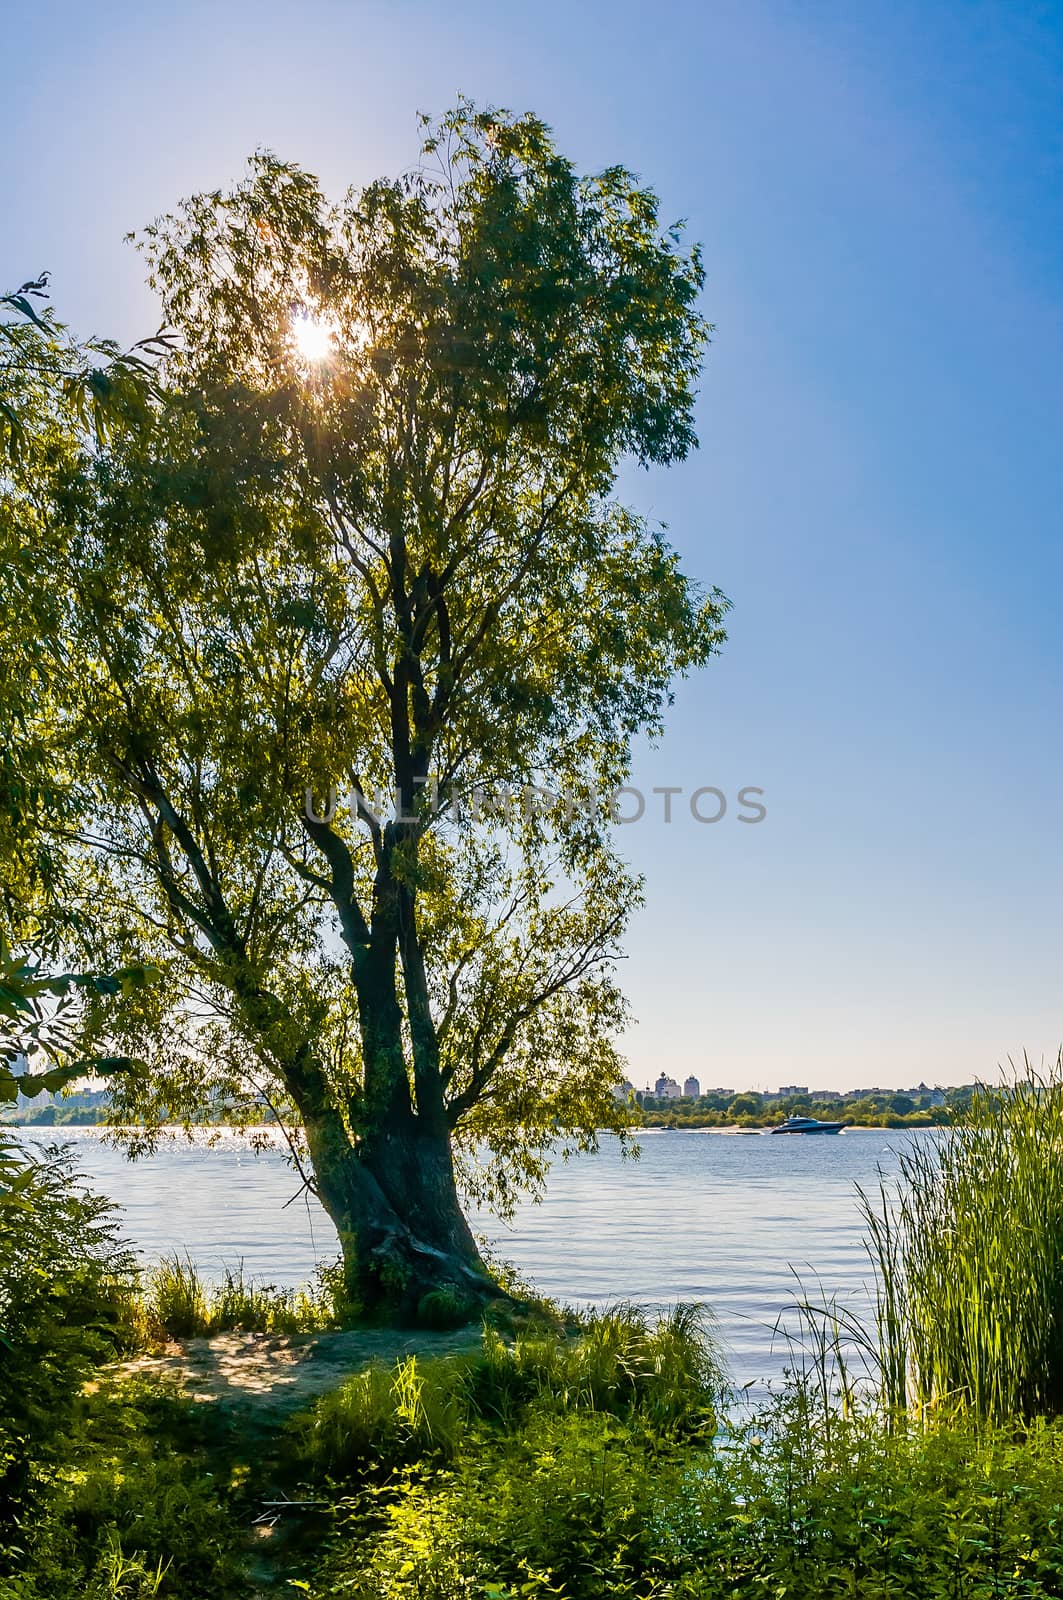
pixel 877 191
pixel 665 1087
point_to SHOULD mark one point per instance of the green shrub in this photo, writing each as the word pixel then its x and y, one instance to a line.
pixel 99 1493
pixel 134 1510
pixel 565 1508
pixel 67 1303
pixel 582 1506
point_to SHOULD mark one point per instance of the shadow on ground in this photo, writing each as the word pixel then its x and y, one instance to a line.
pixel 269 1376
pixel 247 1386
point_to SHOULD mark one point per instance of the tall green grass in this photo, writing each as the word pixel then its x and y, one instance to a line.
pixel 178 1301
pixel 663 1377
pixel 968 1255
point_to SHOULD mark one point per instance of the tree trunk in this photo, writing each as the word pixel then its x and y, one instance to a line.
pixel 402 1231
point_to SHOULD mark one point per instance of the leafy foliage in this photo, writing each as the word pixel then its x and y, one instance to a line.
pixel 32 1029
pixel 585 1505
pixel 133 1511
pixel 66 1292
pixel 102 1493
pixel 99 386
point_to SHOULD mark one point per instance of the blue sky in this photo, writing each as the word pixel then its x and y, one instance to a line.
pixel 878 191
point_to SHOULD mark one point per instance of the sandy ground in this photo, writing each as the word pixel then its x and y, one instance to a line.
pixel 270 1376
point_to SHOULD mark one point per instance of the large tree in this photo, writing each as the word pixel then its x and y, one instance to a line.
pixel 371 548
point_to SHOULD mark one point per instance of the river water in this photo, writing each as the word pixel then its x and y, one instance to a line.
pixel 720 1218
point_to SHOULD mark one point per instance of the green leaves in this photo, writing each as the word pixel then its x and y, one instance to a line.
pixel 47 376
pixel 29 1027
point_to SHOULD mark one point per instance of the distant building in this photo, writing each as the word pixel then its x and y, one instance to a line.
pixel 824 1094
pixel 623 1091
pixel 933 1097
pixel 666 1088
pixel 692 1089
pixel 793 1089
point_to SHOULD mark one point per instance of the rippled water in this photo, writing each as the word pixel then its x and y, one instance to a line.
pixel 721 1218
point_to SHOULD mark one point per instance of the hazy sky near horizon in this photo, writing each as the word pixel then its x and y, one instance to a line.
pixel 877 188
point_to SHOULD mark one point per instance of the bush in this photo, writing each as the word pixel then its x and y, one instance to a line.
pixel 100 1494
pixel 567 1507
pixel 132 1512
pixel 585 1507
pixel 67 1303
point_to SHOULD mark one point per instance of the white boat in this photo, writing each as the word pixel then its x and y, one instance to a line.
pixel 807 1125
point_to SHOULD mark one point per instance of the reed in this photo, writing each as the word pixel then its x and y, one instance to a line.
pixel 177 1297
pixel 968 1259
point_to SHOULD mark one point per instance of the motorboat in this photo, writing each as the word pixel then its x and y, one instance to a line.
pixel 807 1125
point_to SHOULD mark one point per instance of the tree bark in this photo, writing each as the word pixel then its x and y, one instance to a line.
pixel 394 1202
pixel 384 1174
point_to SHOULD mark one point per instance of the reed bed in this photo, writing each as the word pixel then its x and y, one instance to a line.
pixel 968 1258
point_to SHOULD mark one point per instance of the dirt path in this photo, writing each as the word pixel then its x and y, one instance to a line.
pixel 266 1377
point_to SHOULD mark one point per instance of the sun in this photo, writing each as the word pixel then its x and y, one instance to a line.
pixel 313 337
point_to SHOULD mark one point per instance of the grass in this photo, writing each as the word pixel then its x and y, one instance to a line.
pixel 968 1255
pixel 178 1302
pixel 664 1377
pixel 568 1499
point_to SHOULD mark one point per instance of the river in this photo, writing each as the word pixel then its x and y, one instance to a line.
pixel 719 1218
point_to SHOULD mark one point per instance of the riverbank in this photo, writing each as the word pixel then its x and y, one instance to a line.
pixel 543 1465
pixel 916 1457
pixel 764 1121
pixel 700 1215
pixel 57 1116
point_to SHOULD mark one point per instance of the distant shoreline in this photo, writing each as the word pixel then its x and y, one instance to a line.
pixel 270 1132
pixel 715 1111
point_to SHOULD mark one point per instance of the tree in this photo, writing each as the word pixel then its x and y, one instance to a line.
pixel 96 383
pixel 40 1024
pixel 746 1105
pixel 371 547
pixel 52 390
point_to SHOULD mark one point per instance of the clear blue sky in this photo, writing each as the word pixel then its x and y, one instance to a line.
pixel 878 190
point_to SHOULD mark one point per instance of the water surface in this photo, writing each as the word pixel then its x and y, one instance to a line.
pixel 720 1218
